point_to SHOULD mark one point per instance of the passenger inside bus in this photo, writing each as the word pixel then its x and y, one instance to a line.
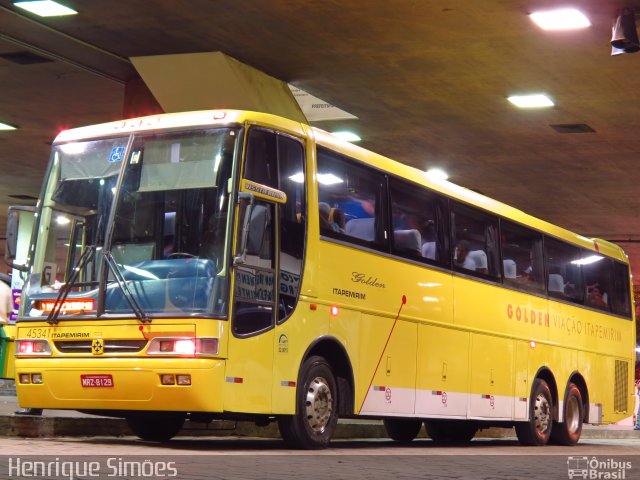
pixel 596 297
pixel 461 256
pixel 337 217
pixel 325 222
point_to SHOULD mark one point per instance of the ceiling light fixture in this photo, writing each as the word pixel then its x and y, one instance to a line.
pixel 45 8
pixel 561 19
pixel 6 126
pixel 436 175
pixel 536 100
pixel 346 135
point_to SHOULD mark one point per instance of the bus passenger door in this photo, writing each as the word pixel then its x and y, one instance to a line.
pixel 250 348
pixel 19 227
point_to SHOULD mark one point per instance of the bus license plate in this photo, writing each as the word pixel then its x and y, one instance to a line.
pixel 96 381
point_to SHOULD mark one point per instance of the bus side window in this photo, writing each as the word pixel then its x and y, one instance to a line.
pixel 523 264
pixel 620 297
pixel 292 225
pixel 418 223
pixel 597 271
pixel 475 240
pixel 564 270
pixel 359 194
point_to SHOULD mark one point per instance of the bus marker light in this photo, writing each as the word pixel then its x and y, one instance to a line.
pixel 287 383
pixel 36 378
pixel 219 115
pixel 207 346
pixel 183 379
pixel 334 311
pixel 167 379
pixel 532 344
pixel 32 347
pixel 313 306
pixel 234 380
pixel 25 378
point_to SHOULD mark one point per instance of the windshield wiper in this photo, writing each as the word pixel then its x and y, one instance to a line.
pixel 122 283
pixel 86 256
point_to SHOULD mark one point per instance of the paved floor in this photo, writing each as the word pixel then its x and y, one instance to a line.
pixel 56 423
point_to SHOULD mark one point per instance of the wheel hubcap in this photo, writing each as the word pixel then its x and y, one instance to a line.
pixel 319 404
pixel 542 414
pixel 572 417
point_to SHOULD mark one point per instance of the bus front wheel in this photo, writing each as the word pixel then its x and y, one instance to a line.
pixel 537 431
pixel 316 417
pixel 155 428
pixel 569 431
pixel 402 430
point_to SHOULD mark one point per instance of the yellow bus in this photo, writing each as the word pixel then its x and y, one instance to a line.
pixel 238 265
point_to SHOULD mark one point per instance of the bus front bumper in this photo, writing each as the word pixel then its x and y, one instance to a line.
pixel 121 384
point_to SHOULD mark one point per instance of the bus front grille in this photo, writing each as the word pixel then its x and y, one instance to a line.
pixel 621 392
pixel 110 346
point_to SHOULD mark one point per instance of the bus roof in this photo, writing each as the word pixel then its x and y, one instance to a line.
pixel 224 117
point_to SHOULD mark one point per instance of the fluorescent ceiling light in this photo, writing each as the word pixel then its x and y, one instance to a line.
pixel 561 19
pixel 436 174
pixel 45 8
pixel 6 126
pixel 74 148
pixel 328 179
pixel 531 101
pixel 298 177
pixel 348 136
pixel 587 260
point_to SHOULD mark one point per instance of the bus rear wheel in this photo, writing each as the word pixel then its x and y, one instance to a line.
pixel 450 432
pixel 402 430
pixel 569 431
pixel 537 431
pixel 155 428
pixel 316 417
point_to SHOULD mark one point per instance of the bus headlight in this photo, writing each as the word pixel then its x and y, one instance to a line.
pixel 33 348
pixel 183 346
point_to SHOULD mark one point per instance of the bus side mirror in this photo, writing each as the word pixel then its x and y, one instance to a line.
pixel 255 224
pixel 19 225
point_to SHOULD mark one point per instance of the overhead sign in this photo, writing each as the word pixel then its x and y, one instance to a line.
pixel 317 110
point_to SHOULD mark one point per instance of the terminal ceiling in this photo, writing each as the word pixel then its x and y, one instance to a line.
pixel 428 81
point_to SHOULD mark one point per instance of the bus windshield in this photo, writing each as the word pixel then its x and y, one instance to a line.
pixel 134 224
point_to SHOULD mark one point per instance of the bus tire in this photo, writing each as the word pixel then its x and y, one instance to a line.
pixel 316 417
pixel 155 428
pixel 402 430
pixel 537 431
pixel 450 432
pixel 568 432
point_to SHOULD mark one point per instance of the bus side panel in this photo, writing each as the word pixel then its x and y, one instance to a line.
pixel 491 390
pixel 443 372
pixel 388 357
pixel 522 387
pixel 292 340
pixel 249 374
